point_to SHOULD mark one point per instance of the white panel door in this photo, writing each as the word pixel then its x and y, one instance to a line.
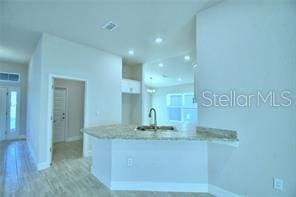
pixel 3 110
pixel 9 113
pixel 59 114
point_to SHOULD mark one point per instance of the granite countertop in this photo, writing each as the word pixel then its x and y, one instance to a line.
pixel 128 132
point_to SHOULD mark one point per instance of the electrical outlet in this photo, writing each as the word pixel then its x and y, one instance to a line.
pixel 130 162
pixel 278 184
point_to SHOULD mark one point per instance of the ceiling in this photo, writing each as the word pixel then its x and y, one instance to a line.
pixel 139 23
pixel 173 71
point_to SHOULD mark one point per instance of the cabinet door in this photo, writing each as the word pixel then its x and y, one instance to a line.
pixel 130 86
pixel 135 87
pixel 124 86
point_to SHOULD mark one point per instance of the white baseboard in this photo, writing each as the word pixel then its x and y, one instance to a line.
pixel 171 187
pixel 32 153
pixel 159 186
pixel 102 178
pixel 162 186
pixel 87 153
pixel 21 137
pixel 219 192
pixel 43 165
pixel 73 138
pixel 149 186
pixel 39 165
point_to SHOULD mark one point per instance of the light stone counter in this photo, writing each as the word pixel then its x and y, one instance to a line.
pixel 128 132
pixel 124 158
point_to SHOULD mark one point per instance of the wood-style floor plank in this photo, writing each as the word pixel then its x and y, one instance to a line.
pixel 69 176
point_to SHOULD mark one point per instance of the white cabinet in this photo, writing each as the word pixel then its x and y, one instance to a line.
pixel 130 86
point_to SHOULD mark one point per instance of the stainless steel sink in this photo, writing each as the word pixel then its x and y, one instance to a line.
pixel 155 128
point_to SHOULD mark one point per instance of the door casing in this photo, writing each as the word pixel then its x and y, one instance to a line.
pixel 86 138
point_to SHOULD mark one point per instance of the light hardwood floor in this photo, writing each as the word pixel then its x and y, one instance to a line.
pixel 68 176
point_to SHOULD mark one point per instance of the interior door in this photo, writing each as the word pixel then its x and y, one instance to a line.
pixel 3 110
pixel 59 114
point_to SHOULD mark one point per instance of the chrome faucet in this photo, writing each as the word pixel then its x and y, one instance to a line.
pixel 155 121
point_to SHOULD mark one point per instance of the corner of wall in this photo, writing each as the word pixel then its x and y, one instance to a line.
pixel 219 192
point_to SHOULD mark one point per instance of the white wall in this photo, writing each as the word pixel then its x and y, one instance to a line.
pixel 131 108
pixel 75 107
pixel 102 160
pixel 146 105
pixel 34 102
pixel 101 70
pixel 22 69
pixel 249 46
pixel 156 165
pixel 172 162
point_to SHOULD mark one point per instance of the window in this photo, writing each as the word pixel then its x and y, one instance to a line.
pixel 9 77
pixel 14 77
pixel 181 107
pixel 12 110
pixel 175 114
pixel 3 76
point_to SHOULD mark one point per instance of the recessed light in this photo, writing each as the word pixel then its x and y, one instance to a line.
pixel 131 52
pixel 160 64
pixel 179 79
pixel 186 57
pixel 158 40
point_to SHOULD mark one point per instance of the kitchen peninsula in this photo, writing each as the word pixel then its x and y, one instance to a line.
pixel 125 158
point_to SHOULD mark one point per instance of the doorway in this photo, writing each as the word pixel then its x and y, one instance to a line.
pixel 68 119
pixel 9 113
